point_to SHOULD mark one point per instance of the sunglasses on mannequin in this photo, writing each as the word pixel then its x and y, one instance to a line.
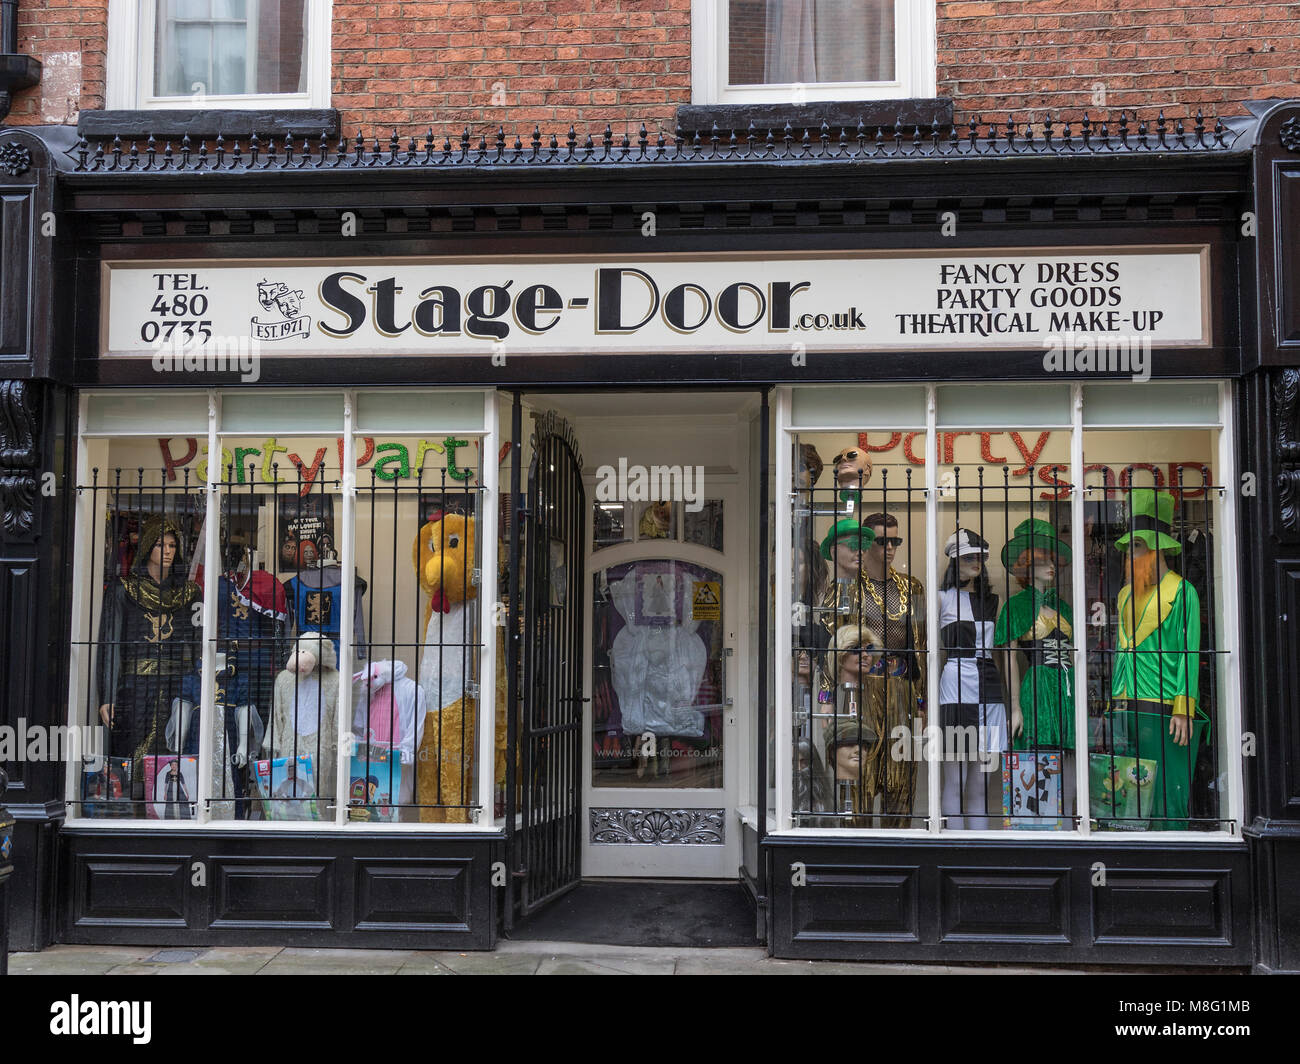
pixel 890 541
pixel 845 456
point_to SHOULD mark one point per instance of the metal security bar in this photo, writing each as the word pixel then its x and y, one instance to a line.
pixel 142 645
pixel 1079 671
pixel 860 651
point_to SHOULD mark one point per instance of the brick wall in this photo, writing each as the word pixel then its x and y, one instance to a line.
pixel 517 63
pixel 1041 55
pixel 69 38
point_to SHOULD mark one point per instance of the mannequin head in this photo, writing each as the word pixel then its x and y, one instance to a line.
pixel 159 552
pixel 844 546
pixel 1143 567
pixel 857 651
pixel 847 746
pixel 886 542
pixel 1035 568
pixel 809 468
pixel 967 552
pixel 852 467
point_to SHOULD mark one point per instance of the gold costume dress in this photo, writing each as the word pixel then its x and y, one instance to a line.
pixel 893 693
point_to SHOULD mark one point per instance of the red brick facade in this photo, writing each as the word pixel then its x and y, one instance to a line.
pixel 517 63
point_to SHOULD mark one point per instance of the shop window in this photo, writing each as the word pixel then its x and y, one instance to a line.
pixel 218 53
pixel 1064 664
pixel 267 638
pixel 795 51
pixel 698 523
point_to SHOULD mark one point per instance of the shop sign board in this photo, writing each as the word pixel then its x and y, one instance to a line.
pixel 959 300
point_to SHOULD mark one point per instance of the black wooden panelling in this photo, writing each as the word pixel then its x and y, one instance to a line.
pixel 15 273
pixel 130 886
pixel 412 894
pixel 272 893
pixel 1167 902
pixel 18 658
pixel 1288 261
pixel 1287 738
pixel 1154 905
pixel 1002 904
pixel 843 902
pixel 130 891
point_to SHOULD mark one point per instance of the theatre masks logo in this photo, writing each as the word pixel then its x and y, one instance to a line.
pixel 278 296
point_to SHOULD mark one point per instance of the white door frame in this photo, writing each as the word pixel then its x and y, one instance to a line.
pixel 695 861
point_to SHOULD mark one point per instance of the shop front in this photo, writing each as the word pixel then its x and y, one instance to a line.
pixel 418 533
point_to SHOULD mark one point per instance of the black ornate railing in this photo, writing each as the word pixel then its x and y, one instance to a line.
pixel 1124 136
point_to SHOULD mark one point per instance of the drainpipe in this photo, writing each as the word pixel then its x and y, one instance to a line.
pixel 16 71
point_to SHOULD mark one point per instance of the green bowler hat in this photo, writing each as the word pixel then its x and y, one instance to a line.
pixel 847 531
pixel 1151 520
pixel 1034 534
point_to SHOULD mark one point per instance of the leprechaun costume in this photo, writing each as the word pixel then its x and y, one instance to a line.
pixel 1043 625
pixel 1157 667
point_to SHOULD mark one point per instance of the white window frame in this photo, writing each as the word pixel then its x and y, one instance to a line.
pixel 85 571
pixel 915 59
pixel 129 73
pixel 1229 718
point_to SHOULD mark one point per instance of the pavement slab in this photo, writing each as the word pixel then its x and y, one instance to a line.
pixel 77 960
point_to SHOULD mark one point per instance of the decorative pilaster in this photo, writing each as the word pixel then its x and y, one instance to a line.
pixel 1287 447
pixel 19 455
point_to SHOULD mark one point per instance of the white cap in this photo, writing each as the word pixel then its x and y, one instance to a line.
pixel 963 542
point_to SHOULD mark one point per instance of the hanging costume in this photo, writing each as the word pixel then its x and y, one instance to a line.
pixel 303 721
pixel 316 605
pixel 1042 624
pixel 894 611
pixel 147 643
pixel 1157 673
pixel 234 744
pixel 251 619
pixel 389 715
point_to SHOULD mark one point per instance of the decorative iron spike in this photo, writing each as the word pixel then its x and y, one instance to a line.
pixel 1220 132
pixel 572 140
pixel 1085 131
pixel 608 139
pixel 1160 129
pixel 253 148
pixel 236 156
pixel 1123 128
pixel 1200 128
pixel 642 138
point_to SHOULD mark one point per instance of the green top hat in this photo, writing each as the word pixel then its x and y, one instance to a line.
pixel 1034 534
pixel 847 531
pixel 1151 519
pixel 847 731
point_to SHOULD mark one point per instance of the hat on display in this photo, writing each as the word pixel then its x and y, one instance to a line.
pixel 964 542
pixel 1034 534
pixel 847 732
pixel 847 531
pixel 1151 519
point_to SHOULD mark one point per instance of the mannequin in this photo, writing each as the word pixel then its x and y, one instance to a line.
pixel 303 720
pixel 253 612
pixel 852 468
pixel 810 572
pixel 971 702
pixel 1156 675
pixel 147 642
pixel 1038 623
pixel 893 608
pixel 239 734
pixel 848 753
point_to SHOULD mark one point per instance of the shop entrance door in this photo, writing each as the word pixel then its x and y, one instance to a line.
pixel 663 731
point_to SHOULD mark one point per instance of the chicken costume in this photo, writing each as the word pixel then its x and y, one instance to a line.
pixel 444 559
